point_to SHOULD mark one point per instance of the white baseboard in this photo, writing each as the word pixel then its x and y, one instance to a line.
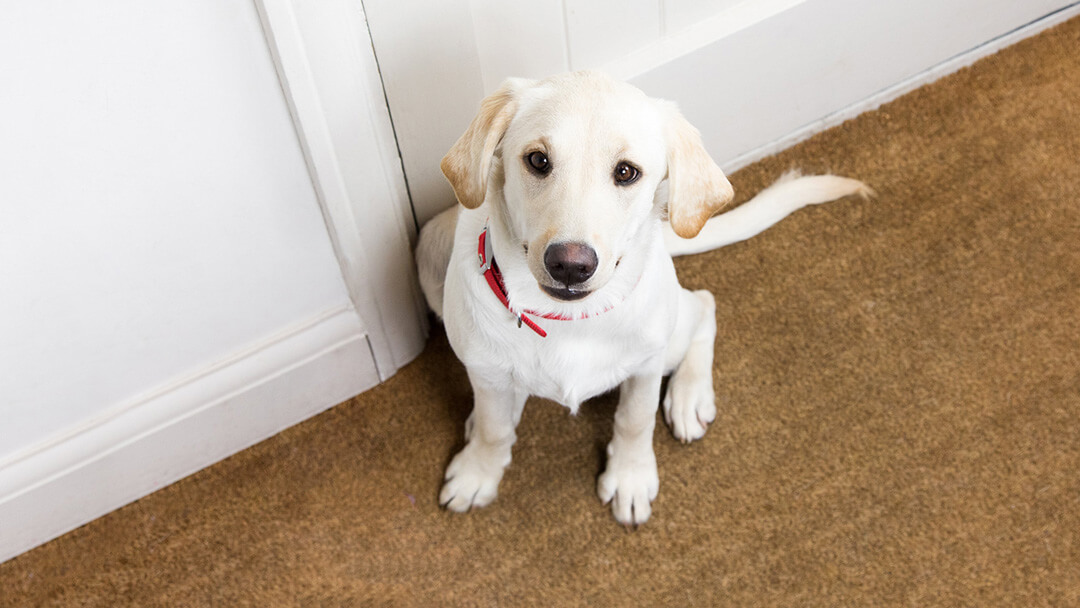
pixel 170 433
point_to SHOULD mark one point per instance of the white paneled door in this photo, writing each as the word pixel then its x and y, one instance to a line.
pixel 754 76
pixel 205 237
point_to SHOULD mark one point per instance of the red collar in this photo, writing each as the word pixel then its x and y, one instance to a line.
pixel 495 282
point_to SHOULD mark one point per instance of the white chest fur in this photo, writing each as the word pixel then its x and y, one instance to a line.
pixel 578 359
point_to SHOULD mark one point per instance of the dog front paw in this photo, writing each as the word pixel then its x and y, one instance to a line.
pixel 472 480
pixel 690 404
pixel 630 487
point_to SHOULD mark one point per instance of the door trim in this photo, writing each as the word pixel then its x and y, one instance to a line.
pixel 330 77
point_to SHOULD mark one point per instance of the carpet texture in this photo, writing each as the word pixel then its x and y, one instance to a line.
pixel 898 383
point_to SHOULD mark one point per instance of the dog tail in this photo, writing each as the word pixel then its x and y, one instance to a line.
pixel 788 194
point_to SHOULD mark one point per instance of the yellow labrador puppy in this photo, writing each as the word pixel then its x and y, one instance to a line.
pixel 554 275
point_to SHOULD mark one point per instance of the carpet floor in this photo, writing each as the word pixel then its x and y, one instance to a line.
pixel 898 385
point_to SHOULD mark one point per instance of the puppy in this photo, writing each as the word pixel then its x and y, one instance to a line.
pixel 554 275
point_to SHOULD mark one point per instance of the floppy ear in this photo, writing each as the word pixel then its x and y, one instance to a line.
pixel 467 163
pixel 697 188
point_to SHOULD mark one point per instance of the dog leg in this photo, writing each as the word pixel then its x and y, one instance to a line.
pixel 472 479
pixel 433 249
pixel 630 481
pixel 690 403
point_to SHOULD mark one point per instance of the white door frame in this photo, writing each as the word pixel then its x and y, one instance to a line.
pixel 330 77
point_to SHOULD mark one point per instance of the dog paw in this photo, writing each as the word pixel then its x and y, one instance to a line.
pixel 689 405
pixel 472 480
pixel 630 488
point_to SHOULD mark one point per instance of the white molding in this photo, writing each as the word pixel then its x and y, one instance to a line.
pixel 673 45
pixel 188 424
pixel 331 82
pixel 884 96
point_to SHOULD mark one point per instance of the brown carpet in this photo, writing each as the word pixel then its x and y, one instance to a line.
pixel 899 395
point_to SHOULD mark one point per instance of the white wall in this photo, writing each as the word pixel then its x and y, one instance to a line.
pixel 753 75
pixel 169 291
pixel 430 68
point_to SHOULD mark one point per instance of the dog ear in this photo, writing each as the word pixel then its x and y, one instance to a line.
pixel 467 163
pixel 697 187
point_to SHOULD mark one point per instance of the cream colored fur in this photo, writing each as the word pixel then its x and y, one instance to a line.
pixel 640 324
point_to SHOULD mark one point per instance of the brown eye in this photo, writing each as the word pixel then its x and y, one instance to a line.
pixel 626 174
pixel 539 162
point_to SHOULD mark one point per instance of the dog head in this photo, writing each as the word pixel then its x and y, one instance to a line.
pixel 571 165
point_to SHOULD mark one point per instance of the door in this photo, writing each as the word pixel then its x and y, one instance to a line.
pixel 205 237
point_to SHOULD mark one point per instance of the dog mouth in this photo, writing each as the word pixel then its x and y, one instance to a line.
pixel 564 294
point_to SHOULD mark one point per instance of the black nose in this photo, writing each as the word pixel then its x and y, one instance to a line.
pixel 570 263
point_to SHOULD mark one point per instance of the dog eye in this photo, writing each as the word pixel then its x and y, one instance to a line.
pixel 626 174
pixel 539 162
